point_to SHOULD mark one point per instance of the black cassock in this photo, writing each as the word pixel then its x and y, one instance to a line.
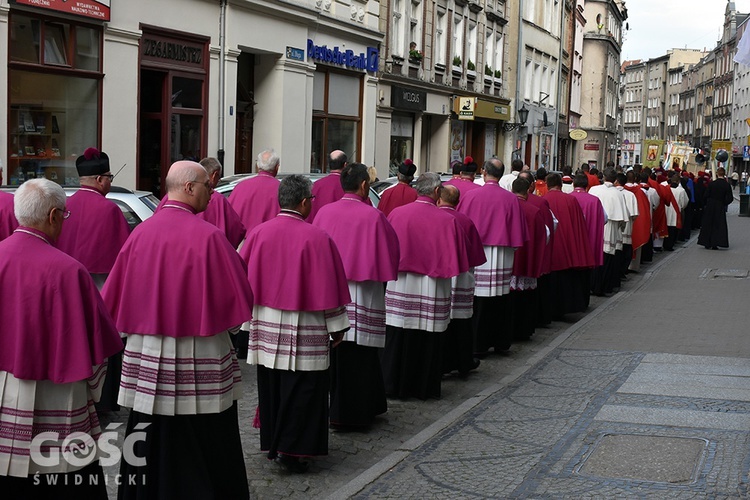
pixel 714 232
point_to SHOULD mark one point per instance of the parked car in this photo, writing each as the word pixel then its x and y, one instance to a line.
pixel 227 184
pixel 136 206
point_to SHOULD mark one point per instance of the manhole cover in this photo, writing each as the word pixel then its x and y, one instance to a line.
pixel 646 458
pixel 723 274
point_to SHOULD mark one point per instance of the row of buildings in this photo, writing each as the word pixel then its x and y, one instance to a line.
pixel 688 95
pixel 431 80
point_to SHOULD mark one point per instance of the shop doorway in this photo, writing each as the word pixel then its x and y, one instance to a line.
pixel 243 143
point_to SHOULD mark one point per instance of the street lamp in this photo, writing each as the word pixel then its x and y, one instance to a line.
pixel 523 115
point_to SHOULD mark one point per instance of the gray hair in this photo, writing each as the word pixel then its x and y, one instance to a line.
pixel 268 160
pixel 35 199
pixel 293 190
pixel 427 183
pixel 211 165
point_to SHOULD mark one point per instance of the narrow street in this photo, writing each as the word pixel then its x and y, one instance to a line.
pixel 644 396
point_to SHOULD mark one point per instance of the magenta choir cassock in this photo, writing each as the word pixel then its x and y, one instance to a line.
pixel 326 190
pixel 301 294
pixel 8 220
pixel 95 231
pixel 54 344
pixel 220 213
pixel 256 200
pixel 369 250
pixel 177 290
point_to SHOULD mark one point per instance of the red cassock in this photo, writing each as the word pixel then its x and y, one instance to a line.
pixel 660 214
pixel 642 224
pixel 593 181
pixel 397 196
pixel 529 259
pixel 543 206
pixel 571 248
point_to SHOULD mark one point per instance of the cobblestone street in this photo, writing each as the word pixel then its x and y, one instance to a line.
pixel 632 399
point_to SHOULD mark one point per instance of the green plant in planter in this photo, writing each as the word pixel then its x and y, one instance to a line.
pixel 415 55
pixel 487 70
pixel 457 60
pixel 498 73
pixel 470 65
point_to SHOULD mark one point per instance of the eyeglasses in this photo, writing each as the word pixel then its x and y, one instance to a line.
pixel 111 177
pixel 207 184
pixel 65 213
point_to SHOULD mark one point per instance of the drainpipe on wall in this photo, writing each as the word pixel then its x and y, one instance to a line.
pixel 519 66
pixel 554 160
pixel 222 78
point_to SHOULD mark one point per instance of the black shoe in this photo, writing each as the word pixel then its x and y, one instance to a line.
pixel 292 464
pixel 707 247
pixel 714 248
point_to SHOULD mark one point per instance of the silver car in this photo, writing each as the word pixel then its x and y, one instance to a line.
pixel 227 184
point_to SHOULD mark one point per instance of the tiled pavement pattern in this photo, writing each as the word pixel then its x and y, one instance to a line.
pixel 549 421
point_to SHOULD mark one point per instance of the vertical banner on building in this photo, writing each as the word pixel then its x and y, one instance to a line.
pixel 652 152
pixel 457 140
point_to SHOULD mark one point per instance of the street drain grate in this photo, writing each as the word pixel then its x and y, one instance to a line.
pixel 646 458
pixel 720 274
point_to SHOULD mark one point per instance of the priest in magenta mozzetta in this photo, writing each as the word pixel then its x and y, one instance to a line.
pixel 177 291
pixel 369 250
pixel 54 344
pixel 328 189
pixel 500 221
pixel 256 199
pixel 458 348
pixel 301 294
pixel 418 305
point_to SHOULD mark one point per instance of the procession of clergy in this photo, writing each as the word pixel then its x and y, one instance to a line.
pixel 339 305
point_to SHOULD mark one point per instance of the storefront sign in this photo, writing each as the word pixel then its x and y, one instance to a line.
pixel 578 134
pixel 295 54
pixel 591 147
pixel 95 9
pixel 466 108
pixel 346 58
pixel 404 98
pixel 157 48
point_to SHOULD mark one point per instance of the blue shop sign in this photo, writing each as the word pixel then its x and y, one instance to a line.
pixel 347 58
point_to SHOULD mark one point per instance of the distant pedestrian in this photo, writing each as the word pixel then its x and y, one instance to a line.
pixel 735 179
pixel 256 199
pixel 369 251
pixel 301 293
pixel 714 231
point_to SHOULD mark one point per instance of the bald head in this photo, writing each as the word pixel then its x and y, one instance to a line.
pixel 449 196
pixel 182 172
pixel 336 160
pixel 189 183
pixel 529 178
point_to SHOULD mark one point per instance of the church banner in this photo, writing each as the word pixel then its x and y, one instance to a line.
pixel 652 153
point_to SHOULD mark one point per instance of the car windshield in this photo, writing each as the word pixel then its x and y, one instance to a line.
pixel 150 201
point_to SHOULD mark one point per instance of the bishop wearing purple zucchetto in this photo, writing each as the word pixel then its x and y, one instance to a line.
pixel 177 291
pixel 54 344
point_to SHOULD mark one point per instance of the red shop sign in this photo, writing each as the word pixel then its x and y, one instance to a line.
pixel 95 9
pixel 591 147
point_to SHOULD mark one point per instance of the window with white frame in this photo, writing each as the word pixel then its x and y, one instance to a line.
pixel 529 77
pixel 398 27
pixel 498 57
pixel 440 36
pixel 458 37
pixel 472 44
pixel 416 24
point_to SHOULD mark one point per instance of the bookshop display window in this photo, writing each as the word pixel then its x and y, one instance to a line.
pixel 336 117
pixel 54 97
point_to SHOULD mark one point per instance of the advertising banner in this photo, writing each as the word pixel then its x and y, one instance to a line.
pixel 94 9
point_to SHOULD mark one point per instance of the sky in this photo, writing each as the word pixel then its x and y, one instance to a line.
pixel 659 25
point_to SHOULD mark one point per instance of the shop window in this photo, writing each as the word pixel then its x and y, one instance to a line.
pixel 402 140
pixel 53 94
pixel 336 117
